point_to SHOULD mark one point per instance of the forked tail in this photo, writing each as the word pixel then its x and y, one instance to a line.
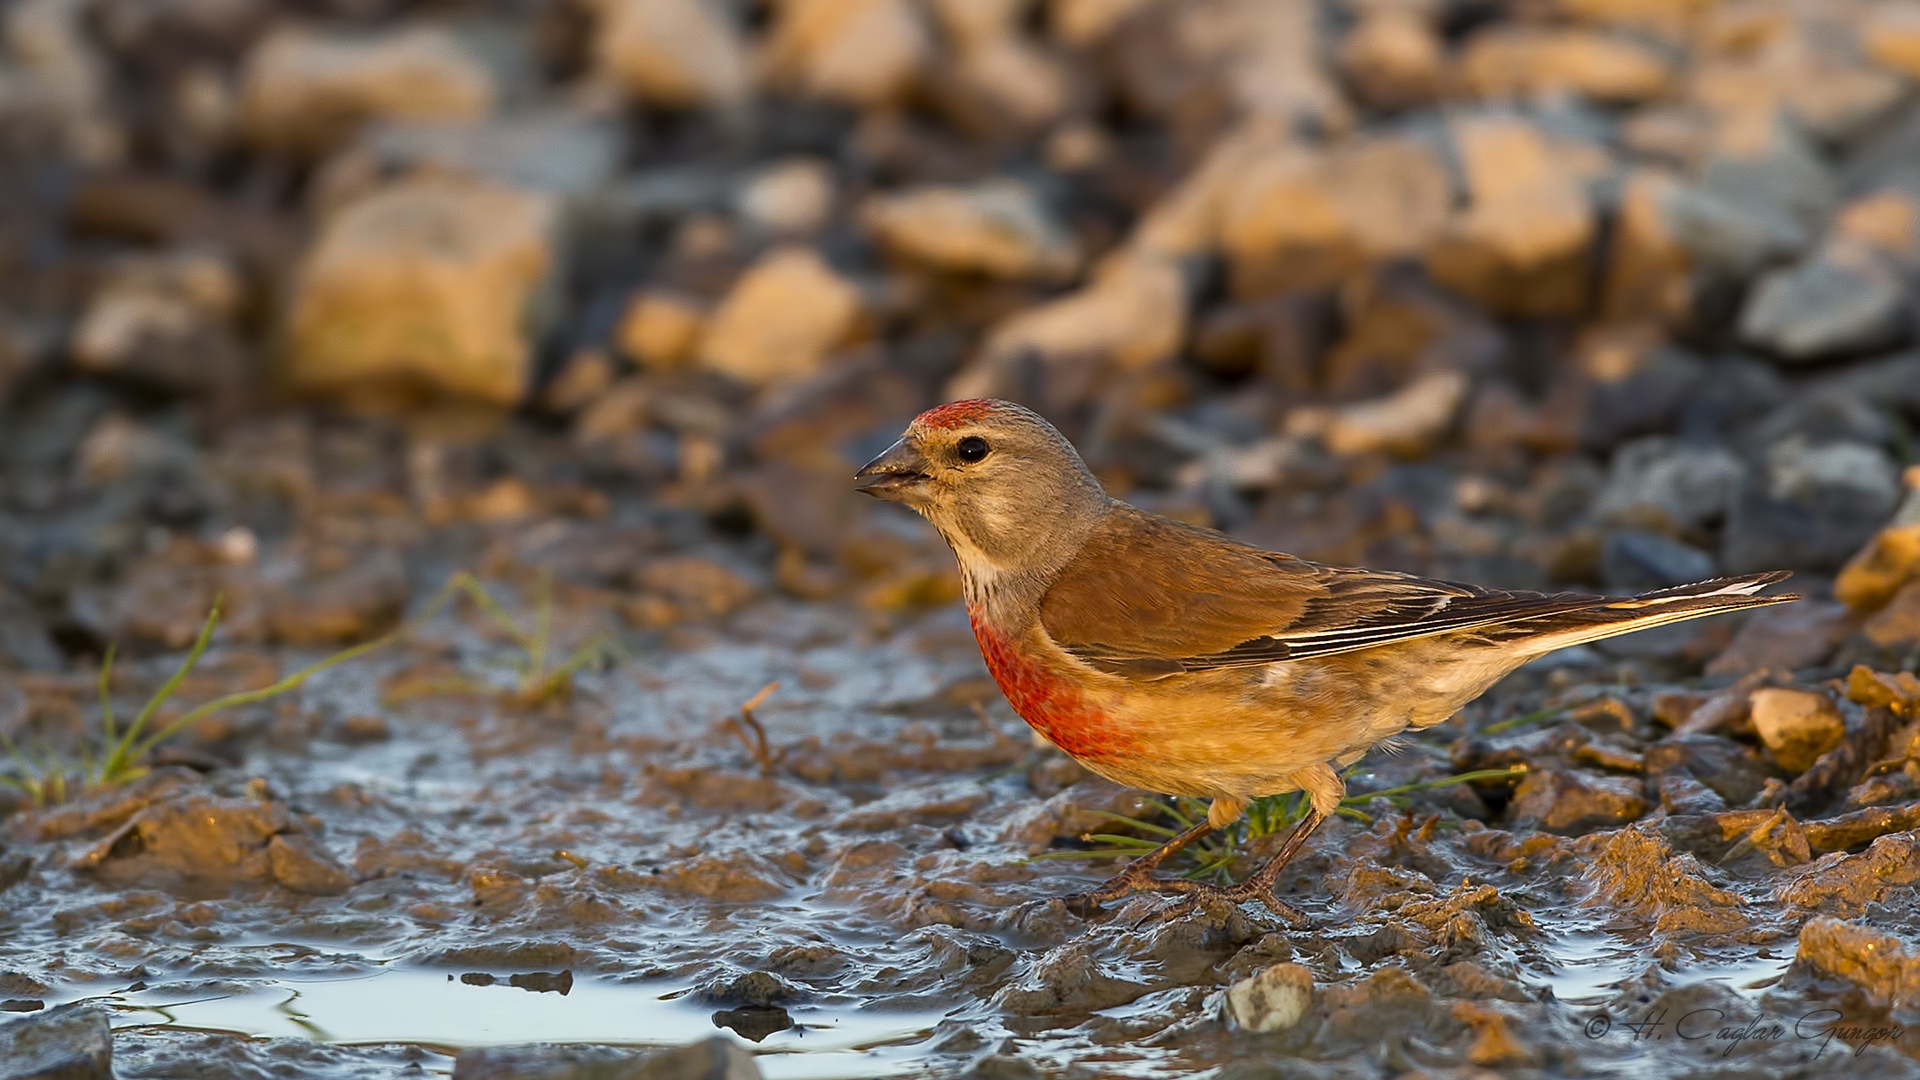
pixel 1607 618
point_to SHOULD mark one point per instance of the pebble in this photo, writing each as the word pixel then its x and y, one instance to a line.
pixel 781 320
pixel 1272 999
pixel 1797 725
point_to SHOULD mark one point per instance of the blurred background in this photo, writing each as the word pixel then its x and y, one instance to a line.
pixel 1540 293
pixel 313 306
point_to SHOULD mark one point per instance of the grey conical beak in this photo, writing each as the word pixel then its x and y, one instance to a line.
pixel 899 474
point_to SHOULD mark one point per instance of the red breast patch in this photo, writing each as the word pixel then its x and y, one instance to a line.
pixel 1050 702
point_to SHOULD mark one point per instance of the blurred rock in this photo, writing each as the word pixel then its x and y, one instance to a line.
pixel 1394 57
pixel 790 197
pixel 998 228
pixel 1888 561
pixel 1649 273
pixel 1273 999
pixel 1844 299
pixel 1819 504
pixel 1296 218
pixel 1407 422
pixel 1634 560
pixel 561 152
pixel 1887 222
pixel 1658 483
pixel 1898 623
pixel 301 864
pixel 1890 36
pixel 1790 637
pixel 1760 198
pixel 677 53
pixel 305 91
pixel 1521 62
pixel 1797 725
pixel 58 81
pixel 860 52
pixel 430 284
pixel 71 1042
pixel 1018 86
pixel 781 320
pixel 1132 315
pixel 164 320
pixel 1521 246
pixel 659 330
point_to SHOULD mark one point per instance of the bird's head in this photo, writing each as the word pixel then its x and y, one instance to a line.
pixel 998 481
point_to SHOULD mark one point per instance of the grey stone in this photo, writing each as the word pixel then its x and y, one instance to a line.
pixel 556 152
pixel 1818 504
pixel 1657 480
pixel 1756 208
pixel 1825 306
pixel 72 1042
pixel 1635 560
pixel 717 1058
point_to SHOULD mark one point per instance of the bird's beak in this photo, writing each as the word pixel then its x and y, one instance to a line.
pixel 899 474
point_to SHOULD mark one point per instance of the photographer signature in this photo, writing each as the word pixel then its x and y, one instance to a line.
pixel 1716 1026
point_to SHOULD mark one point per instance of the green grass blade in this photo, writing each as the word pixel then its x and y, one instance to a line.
pixel 249 697
pixel 121 754
pixel 1524 719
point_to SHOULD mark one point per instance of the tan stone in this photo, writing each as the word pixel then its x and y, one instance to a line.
pixel 659 329
pixel 682 53
pixel 1298 218
pixel 862 52
pixel 1408 421
pixel 1890 36
pixel 1024 84
pixel 1394 58
pixel 1525 61
pixel 1887 221
pixel 431 283
pixel 1797 725
pixel 1081 23
pixel 792 196
pixel 997 228
pixel 1521 247
pixel 1888 561
pixel 1672 18
pixel 1130 316
pixel 781 320
pixel 1898 623
pixel 1649 274
pixel 306 91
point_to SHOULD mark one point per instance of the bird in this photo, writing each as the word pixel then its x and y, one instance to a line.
pixel 1175 659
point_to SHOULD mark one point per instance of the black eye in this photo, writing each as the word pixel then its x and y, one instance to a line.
pixel 971 449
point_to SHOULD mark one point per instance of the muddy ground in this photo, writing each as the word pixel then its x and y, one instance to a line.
pixel 532 344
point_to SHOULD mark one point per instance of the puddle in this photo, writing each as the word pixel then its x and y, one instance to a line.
pixel 1592 965
pixel 438 1009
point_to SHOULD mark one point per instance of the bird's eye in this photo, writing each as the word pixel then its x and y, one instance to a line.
pixel 971 449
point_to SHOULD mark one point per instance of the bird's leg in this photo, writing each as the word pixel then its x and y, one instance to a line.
pixel 1138 874
pixel 1325 790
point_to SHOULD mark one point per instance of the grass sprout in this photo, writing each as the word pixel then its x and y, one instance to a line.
pixel 1265 816
pixel 537 679
pixel 46 778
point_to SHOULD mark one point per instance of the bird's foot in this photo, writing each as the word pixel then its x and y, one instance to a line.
pixel 1086 904
pixel 1198 893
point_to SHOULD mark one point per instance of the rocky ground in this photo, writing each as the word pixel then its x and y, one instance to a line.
pixel 307 308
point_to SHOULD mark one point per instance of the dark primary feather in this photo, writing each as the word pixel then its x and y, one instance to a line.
pixel 1206 601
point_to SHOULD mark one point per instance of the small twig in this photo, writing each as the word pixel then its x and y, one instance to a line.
pixel 753 733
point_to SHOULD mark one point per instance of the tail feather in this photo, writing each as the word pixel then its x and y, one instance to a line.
pixel 1644 612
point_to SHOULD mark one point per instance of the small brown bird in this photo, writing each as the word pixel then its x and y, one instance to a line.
pixel 1178 660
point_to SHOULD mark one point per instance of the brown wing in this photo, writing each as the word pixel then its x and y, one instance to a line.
pixel 1150 597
